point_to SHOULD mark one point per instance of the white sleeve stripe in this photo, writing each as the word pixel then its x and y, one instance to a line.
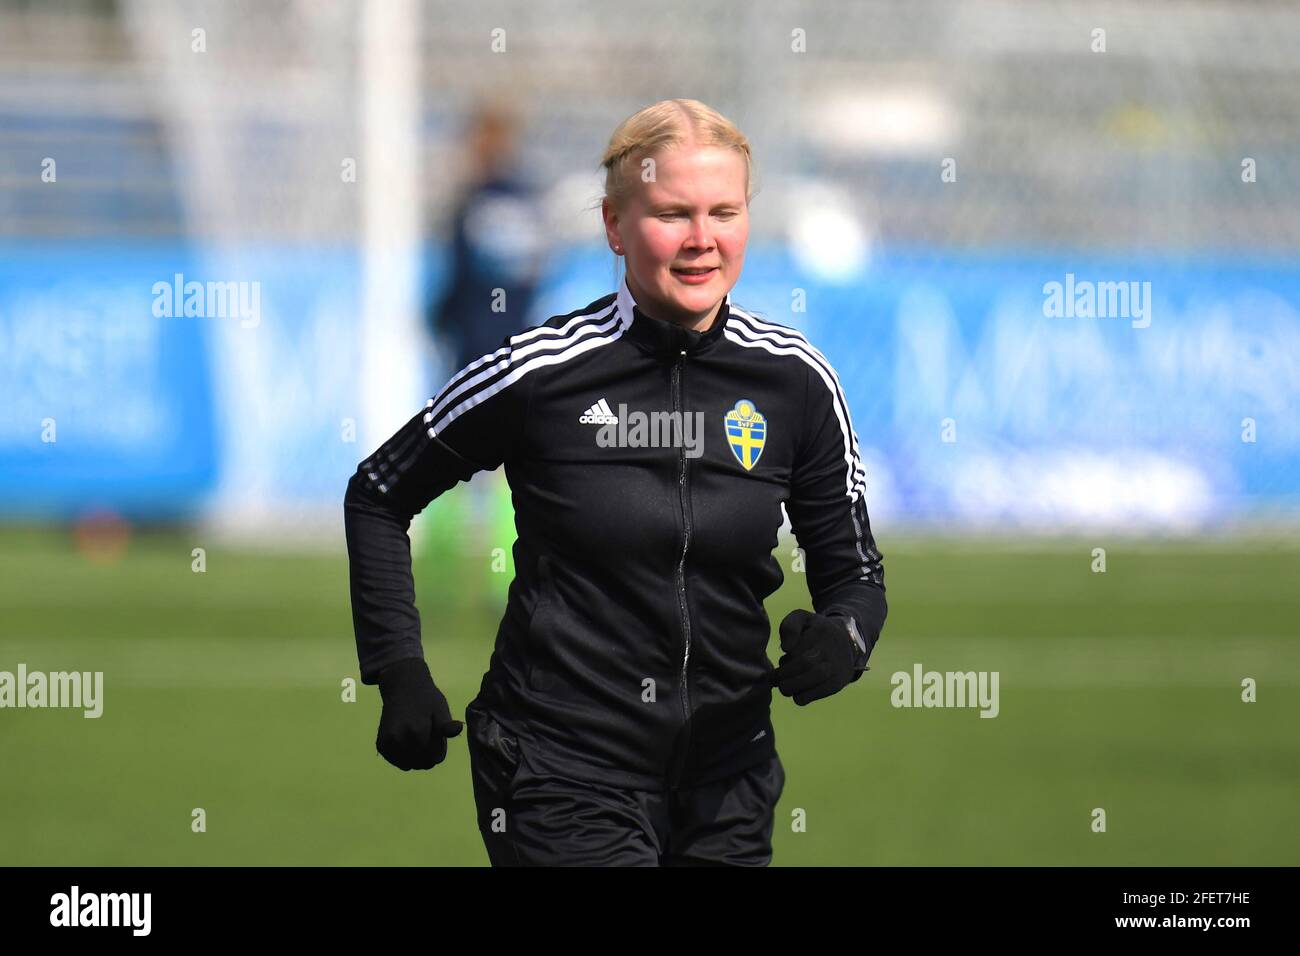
pixel 857 537
pixel 576 348
pixel 392 463
pixel 853 473
pixel 388 461
pixel 796 346
pixel 787 336
pixel 759 325
pixel 870 557
pixel 513 359
pixel 539 332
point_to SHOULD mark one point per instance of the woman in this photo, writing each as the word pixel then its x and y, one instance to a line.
pixel 650 440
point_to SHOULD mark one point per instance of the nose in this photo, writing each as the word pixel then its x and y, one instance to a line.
pixel 699 237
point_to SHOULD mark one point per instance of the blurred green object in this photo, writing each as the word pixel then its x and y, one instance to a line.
pixel 472 525
pixel 224 690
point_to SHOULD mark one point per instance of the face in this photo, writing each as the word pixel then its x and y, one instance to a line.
pixel 692 216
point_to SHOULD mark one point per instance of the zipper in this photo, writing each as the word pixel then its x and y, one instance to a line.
pixel 683 499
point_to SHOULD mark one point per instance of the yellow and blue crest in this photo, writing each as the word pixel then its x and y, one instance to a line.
pixel 746 432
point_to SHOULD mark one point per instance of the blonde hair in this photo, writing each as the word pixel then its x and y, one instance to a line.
pixel 665 124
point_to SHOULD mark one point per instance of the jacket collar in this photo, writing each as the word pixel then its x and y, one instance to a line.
pixel 663 338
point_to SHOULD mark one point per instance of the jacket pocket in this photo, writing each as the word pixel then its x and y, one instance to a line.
pixel 544 674
pixel 499 757
pixel 535 644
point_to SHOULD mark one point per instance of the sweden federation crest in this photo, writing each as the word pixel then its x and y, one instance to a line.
pixel 746 432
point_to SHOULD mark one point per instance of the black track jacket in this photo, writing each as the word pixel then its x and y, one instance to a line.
pixel 648 465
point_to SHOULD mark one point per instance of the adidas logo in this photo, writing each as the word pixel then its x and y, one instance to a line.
pixel 599 414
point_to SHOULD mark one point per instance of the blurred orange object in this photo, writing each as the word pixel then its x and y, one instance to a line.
pixel 102 536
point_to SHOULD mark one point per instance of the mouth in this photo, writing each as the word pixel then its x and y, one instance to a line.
pixel 695 274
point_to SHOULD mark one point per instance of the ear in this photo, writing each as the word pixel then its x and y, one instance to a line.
pixel 611 225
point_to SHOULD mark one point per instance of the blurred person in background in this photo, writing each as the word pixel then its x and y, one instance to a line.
pixel 625 715
pixel 495 257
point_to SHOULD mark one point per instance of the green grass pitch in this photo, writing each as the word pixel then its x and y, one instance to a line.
pixel 223 691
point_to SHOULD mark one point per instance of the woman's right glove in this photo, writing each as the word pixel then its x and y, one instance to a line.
pixel 416 722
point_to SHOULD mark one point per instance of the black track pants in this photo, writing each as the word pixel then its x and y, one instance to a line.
pixel 531 819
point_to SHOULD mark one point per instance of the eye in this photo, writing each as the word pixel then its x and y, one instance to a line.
pixel 670 215
pixel 726 214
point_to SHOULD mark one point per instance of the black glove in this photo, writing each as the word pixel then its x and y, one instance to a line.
pixel 822 655
pixel 416 721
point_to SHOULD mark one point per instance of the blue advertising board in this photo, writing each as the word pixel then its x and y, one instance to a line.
pixel 1047 390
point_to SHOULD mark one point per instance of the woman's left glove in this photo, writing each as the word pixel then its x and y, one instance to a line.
pixel 822 655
